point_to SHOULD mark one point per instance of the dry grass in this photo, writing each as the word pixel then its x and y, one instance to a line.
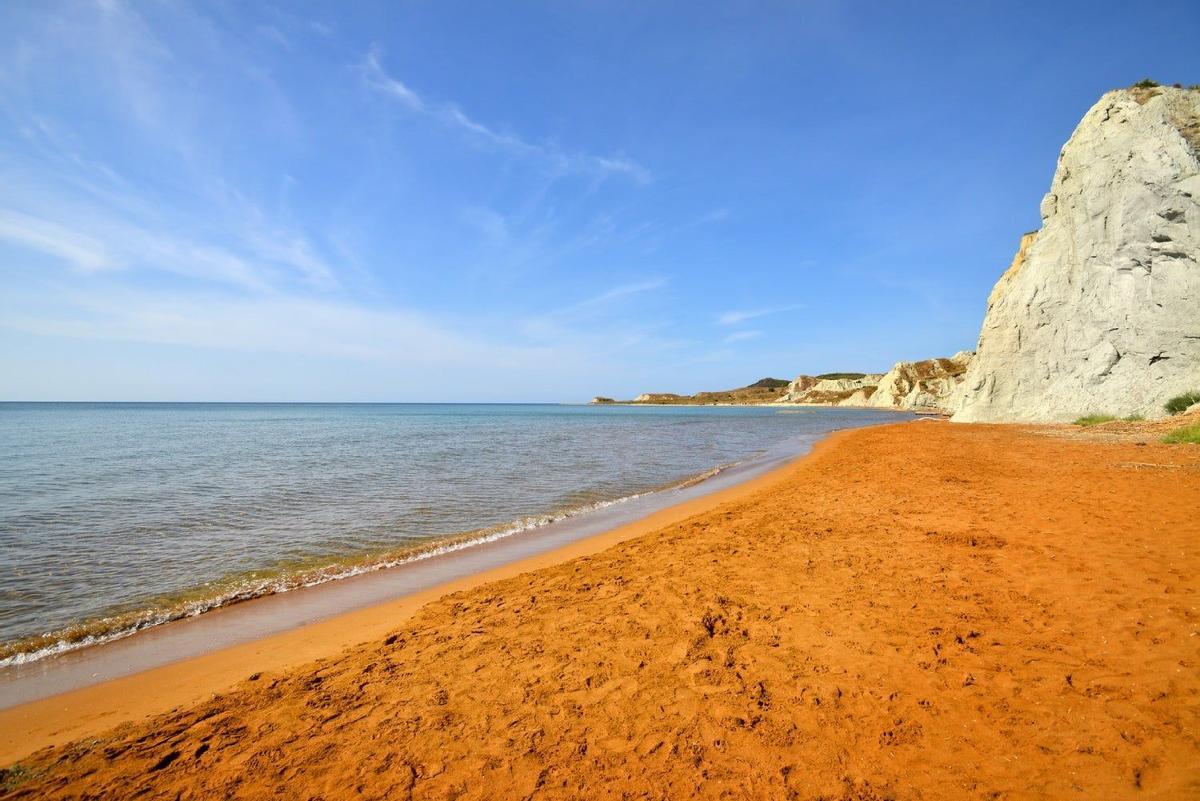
pixel 1189 435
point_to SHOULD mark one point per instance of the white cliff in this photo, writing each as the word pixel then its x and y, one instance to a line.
pixel 1100 311
pixel 850 390
pixel 924 386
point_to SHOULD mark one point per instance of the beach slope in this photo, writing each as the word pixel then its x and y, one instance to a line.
pixel 919 610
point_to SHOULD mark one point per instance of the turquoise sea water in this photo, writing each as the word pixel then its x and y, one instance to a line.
pixel 118 516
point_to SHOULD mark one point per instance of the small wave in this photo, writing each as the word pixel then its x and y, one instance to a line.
pixel 232 591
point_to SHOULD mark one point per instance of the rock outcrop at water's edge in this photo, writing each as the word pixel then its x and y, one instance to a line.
pixel 921 386
pixel 1100 310
pixel 924 386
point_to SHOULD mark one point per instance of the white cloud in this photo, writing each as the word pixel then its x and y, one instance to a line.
pixel 378 79
pixel 259 275
pixel 79 250
pixel 279 324
pixel 62 198
pixel 622 291
pixel 260 259
pixel 601 320
pixel 380 341
pixel 736 317
pixel 452 116
pixel 742 336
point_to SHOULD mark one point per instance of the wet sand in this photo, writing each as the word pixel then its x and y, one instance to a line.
pixel 921 610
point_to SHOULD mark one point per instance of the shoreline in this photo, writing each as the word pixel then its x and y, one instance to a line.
pixel 334 542
pixel 28 726
pixel 30 649
pixel 935 611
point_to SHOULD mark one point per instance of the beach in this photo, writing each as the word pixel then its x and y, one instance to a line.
pixel 888 488
pixel 121 517
pixel 915 610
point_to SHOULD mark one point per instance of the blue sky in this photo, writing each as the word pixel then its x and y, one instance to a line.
pixel 421 201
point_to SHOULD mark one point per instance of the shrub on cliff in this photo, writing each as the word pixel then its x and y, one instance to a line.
pixel 1180 403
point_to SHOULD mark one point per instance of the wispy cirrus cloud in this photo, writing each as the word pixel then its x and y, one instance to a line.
pixel 453 117
pixel 742 336
pixel 606 319
pixel 737 317
pixel 332 328
pixel 45 236
pixel 171 211
pixel 94 243
pixel 78 200
pixel 622 291
pixel 102 223
pixel 237 322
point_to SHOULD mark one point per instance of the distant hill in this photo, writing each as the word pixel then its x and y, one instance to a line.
pixel 768 383
pixel 922 386
pixel 765 390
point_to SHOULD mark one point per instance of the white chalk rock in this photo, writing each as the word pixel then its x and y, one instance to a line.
pixel 1100 310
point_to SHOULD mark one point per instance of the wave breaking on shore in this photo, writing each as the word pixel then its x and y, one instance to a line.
pixel 262 583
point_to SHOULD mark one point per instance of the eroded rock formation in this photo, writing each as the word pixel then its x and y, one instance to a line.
pixel 924 386
pixel 847 391
pixel 1100 310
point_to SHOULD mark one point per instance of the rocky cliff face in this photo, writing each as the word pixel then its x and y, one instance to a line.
pixel 765 390
pixel 1100 310
pixel 831 391
pixel 923 386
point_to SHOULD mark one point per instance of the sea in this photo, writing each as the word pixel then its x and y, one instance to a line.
pixel 115 517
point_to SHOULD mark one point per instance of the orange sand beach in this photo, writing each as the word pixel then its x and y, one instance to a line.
pixel 920 610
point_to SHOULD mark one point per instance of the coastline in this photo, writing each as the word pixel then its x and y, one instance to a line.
pixel 29 650
pixel 187 549
pixel 936 611
pixel 63 716
pixel 778 405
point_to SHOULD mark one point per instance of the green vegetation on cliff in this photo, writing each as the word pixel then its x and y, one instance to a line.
pixel 1180 403
pixel 840 376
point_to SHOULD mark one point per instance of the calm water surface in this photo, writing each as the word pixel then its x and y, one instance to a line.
pixel 118 516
